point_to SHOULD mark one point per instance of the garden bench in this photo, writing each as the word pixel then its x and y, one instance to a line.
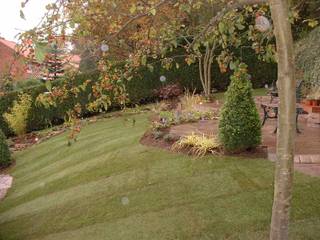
pixel 270 110
pixel 273 92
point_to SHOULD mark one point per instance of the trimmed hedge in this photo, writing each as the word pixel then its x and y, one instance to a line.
pixel 140 89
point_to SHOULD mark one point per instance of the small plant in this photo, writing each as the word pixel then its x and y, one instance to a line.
pixel 5 157
pixel 169 91
pixel 239 126
pixel 72 120
pixel 159 106
pixel 157 134
pixel 190 100
pixel 169 138
pixel 18 114
pixel 168 118
pixel 198 145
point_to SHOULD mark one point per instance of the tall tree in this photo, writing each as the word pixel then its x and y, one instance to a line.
pixel 54 62
pixel 287 110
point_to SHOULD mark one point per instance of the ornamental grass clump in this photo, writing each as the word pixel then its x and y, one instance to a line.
pixel 197 145
pixel 239 125
pixel 5 157
pixel 190 100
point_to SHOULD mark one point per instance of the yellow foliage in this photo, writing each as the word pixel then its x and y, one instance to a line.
pixel 18 114
pixel 190 100
pixel 199 145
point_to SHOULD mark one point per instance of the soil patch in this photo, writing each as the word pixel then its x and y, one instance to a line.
pixel 21 143
pixel 148 139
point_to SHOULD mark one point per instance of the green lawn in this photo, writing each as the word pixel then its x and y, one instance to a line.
pixel 108 186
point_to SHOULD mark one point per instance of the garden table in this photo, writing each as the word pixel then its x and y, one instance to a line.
pixel 270 110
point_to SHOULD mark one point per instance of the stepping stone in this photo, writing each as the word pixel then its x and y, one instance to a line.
pixel 5 184
pixel 309 169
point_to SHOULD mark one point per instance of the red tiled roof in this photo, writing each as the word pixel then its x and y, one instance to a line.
pixel 12 45
pixel 75 59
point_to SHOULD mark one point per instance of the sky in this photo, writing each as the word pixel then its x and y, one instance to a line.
pixel 10 21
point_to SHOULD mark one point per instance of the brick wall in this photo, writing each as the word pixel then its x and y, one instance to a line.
pixel 9 62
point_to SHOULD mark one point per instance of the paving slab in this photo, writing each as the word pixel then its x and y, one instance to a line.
pixel 5 184
pixel 309 169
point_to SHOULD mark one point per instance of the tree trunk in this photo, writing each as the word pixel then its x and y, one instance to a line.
pixel 205 65
pixel 286 121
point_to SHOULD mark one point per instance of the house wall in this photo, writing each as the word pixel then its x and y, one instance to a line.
pixel 10 63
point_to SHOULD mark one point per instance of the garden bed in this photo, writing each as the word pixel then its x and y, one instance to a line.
pixel 148 139
pixel 308 142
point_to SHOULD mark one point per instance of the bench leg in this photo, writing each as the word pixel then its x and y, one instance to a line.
pixel 298 131
pixel 265 116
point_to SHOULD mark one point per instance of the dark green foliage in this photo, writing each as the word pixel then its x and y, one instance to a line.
pixel 5 157
pixel 54 62
pixel 141 88
pixel 239 126
pixel 308 60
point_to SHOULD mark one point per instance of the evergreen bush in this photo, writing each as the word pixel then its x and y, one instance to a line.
pixel 5 158
pixel 239 126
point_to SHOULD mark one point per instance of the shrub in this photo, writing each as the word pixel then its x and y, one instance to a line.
pixel 18 114
pixel 199 145
pixel 169 91
pixel 5 158
pixel 239 126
